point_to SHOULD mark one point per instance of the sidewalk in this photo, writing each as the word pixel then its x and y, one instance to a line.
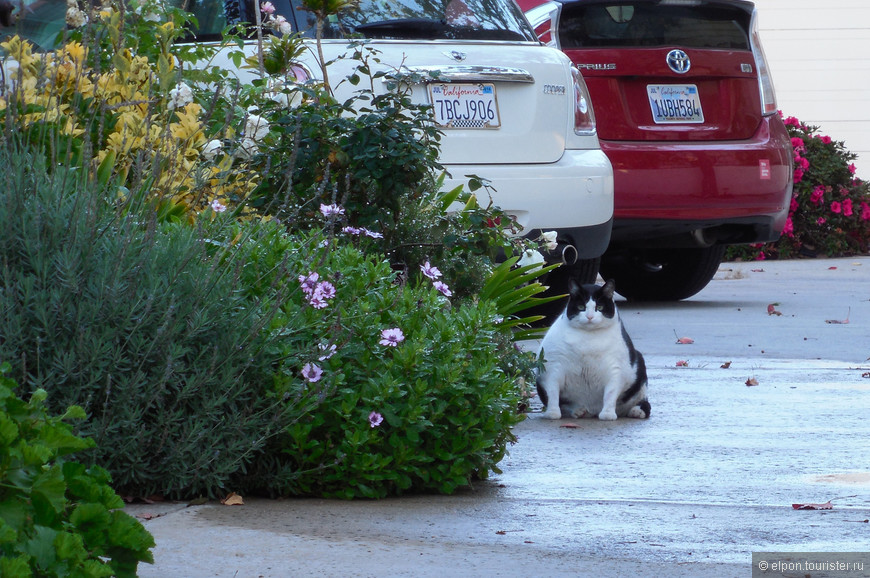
pixel 693 491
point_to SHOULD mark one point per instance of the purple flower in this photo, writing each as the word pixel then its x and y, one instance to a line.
pixel 372 234
pixel 375 419
pixel 328 351
pixel 325 289
pixel 430 271
pixel 330 210
pixel 308 282
pixel 392 337
pixel 351 230
pixel 445 290
pixel 312 372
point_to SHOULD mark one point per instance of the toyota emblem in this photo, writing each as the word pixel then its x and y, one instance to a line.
pixel 678 61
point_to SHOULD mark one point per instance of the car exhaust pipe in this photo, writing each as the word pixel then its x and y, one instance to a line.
pixel 567 253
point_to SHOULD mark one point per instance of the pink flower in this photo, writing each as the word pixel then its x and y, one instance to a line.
pixel 789 227
pixel 865 211
pixel 351 230
pixel 328 351
pixel 817 194
pixel 430 271
pixel 217 206
pixel 852 168
pixel 836 207
pixel 803 162
pixel 267 8
pixel 761 256
pixel 317 298
pixel 794 205
pixel 792 121
pixel 797 142
pixel 798 175
pixel 847 207
pixel 312 372
pixel 308 282
pixel 821 221
pixel 331 210
pixel 375 419
pixel 825 139
pixel 392 337
pixel 443 288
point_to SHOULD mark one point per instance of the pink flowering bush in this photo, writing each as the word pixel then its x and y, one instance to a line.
pixel 830 209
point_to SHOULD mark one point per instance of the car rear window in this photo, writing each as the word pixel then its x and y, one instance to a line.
pixel 645 24
pixel 42 20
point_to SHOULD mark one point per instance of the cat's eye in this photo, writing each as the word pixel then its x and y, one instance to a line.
pixel 599 307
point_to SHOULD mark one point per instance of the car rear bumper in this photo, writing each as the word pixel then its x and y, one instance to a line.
pixel 667 188
pixel 573 195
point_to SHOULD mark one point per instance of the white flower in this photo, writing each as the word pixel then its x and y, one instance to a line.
pixel 256 127
pixel 530 257
pixel 550 239
pixel 211 149
pixel 280 24
pixel 247 148
pixel 217 206
pixel 267 8
pixel 180 96
pixel 75 18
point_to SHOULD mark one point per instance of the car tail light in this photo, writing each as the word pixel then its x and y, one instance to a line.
pixel 765 82
pixel 543 19
pixel 584 116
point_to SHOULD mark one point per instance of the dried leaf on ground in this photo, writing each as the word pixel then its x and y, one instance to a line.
pixel 826 506
pixel 725 365
pixel 682 363
pixel 570 425
pixel 751 381
pixel 771 309
pixel 233 500
pixel 683 340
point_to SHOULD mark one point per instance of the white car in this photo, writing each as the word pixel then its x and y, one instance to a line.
pixel 514 112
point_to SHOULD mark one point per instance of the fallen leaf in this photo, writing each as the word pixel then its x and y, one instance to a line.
pixel 233 500
pixel 771 309
pixel 757 270
pixel 682 363
pixel 147 516
pixel 751 381
pixel 866 374
pixel 826 506
pixel 570 425
pixel 685 340
pixel 500 532
pixel 831 268
pixel 843 322
pixel 725 365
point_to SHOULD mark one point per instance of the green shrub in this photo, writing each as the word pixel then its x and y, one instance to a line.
pixel 431 413
pixel 57 517
pixel 146 325
pixel 830 209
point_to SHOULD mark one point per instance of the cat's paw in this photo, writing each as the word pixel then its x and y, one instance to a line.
pixel 552 414
pixel 578 413
pixel 606 415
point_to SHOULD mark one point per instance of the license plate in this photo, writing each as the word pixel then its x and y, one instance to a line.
pixel 458 105
pixel 675 103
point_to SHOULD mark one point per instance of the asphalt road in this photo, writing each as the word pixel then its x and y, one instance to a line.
pixel 760 412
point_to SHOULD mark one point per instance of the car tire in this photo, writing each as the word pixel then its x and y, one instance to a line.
pixel 662 274
pixel 583 271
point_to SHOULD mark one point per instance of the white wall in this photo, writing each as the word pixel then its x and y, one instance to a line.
pixel 819 55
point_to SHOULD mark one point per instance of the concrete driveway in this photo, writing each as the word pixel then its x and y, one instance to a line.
pixel 693 491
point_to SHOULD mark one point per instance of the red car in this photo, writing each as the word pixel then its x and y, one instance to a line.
pixel 687 116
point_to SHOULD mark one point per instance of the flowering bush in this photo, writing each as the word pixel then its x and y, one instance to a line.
pixel 830 209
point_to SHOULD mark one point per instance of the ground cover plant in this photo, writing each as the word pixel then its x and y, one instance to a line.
pixel 57 517
pixel 234 301
pixel 830 208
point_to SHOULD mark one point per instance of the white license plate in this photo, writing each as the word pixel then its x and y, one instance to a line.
pixel 675 103
pixel 457 105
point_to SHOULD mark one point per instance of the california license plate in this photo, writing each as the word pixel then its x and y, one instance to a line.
pixel 458 105
pixel 675 103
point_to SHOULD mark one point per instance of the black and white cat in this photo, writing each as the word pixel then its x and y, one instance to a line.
pixel 591 366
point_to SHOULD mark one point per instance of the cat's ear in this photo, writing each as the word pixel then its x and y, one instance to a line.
pixel 573 287
pixel 609 288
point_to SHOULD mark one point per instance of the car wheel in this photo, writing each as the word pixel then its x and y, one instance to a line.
pixel 583 271
pixel 662 274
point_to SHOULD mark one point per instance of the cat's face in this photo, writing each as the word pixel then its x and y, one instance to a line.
pixel 591 306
